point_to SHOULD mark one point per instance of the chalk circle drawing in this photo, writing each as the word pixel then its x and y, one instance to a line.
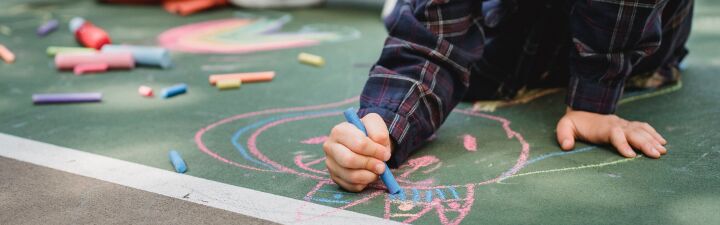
pixel 246 33
pixel 451 202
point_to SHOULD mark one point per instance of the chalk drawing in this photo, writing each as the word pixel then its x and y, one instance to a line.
pixel 469 142
pixel 417 199
pixel 246 34
pixel 450 202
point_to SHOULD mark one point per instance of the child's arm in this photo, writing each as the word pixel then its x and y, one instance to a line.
pixel 610 38
pixel 422 74
pixel 424 69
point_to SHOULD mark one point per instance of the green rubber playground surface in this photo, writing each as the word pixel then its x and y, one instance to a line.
pixel 267 136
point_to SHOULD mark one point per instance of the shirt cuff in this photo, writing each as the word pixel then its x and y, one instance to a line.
pixel 593 96
pixel 403 138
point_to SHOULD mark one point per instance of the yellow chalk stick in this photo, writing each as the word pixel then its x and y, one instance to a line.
pixel 54 50
pixel 311 59
pixel 228 84
pixel 6 54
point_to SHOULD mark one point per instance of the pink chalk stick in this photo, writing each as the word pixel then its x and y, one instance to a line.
pixel 115 60
pixel 145 91
pixel 90 68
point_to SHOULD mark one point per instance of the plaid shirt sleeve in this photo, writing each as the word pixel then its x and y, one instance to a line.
pixel 424 69
pixel 610 38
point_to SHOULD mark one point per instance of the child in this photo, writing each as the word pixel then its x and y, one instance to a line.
pixel 440 52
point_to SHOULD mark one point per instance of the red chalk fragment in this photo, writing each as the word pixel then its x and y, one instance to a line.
pixel 145 91
pixel 90 68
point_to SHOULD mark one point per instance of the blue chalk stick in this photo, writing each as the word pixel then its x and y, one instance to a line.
pixel 387 176
pixel 177 162
pixel 143 55
pixel 174 90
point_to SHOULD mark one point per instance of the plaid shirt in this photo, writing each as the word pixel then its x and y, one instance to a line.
pixel 433 45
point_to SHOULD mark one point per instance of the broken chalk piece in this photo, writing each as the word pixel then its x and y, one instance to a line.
pixel 145 91
pixel 54 50
pixel 228 84
pixel 47 28
pixel 143 55
pixel 244 77
pixel 311 59
pixel 51 98
pixel 173 90
pixel 177 162
pixel 118 60
pixel 6 54
pixel 90 68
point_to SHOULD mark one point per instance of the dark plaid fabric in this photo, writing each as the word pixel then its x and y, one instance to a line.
pixel 440 52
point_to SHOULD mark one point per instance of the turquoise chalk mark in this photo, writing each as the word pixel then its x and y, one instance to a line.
pixel 440 194
pixel 241 149
pixel 416 195
pixel 455 194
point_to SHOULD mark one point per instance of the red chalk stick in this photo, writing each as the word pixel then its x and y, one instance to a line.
pixel 90 68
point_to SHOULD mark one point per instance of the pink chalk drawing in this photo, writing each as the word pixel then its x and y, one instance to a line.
pixel 470 142
pixel 249 34
pixel 315 140
pixel 419 197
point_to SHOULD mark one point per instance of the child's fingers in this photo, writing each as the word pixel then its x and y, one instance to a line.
pixel 347 186
pixel 351 160
pixel 640 139
pixel 617 138
pixel 566 134
pixel 351 176
pixel 348 135
pixel 653 132
pixel 377 129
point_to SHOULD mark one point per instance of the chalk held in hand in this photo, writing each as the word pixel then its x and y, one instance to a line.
pixel 143 55
pixel 6 54
pixel 145 91
pixel 47 28
pixel 173 91
pixel 244 77
pixel 311 59
pixel 56 98
pixel 228 84
pixel 177 162
pixel 90 68
pixel 387 176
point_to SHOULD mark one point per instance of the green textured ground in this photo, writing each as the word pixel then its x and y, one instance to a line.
pixel 681 188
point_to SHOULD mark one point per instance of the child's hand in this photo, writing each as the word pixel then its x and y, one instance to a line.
pixel 604 129
pixel 353 159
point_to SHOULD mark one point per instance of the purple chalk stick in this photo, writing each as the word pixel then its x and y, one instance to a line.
pixel 53 98
pixel 48 27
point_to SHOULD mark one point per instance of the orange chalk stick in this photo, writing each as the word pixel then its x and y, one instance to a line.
pixel 6 54
pixel 244 77
pixel 90 68
pixel 187 7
